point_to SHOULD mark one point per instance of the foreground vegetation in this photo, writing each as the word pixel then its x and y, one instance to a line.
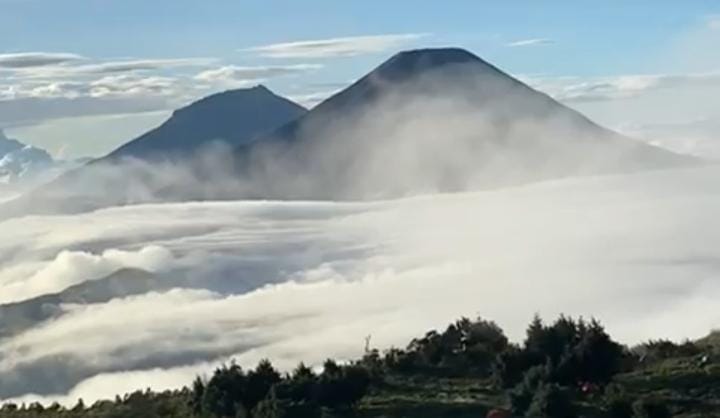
pixel 570 368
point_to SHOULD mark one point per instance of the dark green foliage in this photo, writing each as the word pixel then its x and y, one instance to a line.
pixel 442 375
pixel 617 403
pixel 552 401
pixel 650 408
pixel 597 357
pixel 270 407
pixel 300 387
pixel 510 367
pixel 575 352
pixel 521 396
pixel 197 392
pixel 465 348
pixel 341 386
pixel 259 383
pixel 223 394
pixel 654 350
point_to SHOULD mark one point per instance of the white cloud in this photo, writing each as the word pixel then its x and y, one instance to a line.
pixel 336 272
pixel 531 42
pixel 26 60
pixel 72 267
pixel 232 74
pixel 132 85
pixel 310 100
pixel 111 67
pixel 577 89
pixel 336 47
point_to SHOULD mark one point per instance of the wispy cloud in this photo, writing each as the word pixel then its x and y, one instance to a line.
pixel 336 47
pixel 576 89
pixel 311 100
pixel 531 42
pixel 41 86
pixel 35 59
pixel 231 74
pixel 112 67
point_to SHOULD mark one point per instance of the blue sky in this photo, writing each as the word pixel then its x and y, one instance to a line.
pixel 125 64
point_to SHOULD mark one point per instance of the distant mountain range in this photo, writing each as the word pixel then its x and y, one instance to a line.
pixel 429 120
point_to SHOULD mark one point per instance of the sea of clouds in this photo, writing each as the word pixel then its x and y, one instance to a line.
pixel 295 281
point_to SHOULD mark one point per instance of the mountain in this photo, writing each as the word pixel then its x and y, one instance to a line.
pixel 436 120
pixel 21 162
pixel 234 117
pixel 425 121
pixel 175 161
pixel 20 316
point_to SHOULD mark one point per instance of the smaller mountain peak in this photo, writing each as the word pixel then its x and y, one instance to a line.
pixel 231 97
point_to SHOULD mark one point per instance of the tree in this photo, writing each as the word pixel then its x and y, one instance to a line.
pixel 342 387
pixel 598 357
pixel 509 367
pixel 521 396
pixel 259 383
pixel 224 393
pixel 301 386
pixel 196 395
pixel 270 407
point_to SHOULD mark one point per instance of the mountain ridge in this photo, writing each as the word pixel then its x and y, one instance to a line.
pixel 233 117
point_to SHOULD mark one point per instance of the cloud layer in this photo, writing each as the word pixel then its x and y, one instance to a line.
pixel 25 60
pixel 302 281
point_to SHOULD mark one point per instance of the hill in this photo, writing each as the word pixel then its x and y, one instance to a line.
pixel 20 316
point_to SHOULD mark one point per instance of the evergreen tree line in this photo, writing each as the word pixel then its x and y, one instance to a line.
pixel 557 368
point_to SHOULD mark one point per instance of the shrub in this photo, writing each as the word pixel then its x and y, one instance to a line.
pixel 552 401
pixel 650 408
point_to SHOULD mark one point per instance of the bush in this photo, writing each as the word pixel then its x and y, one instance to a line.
pixel 521 396
pixel 552 401
pixel 655 350
pixel 340 387
pixel 510 367
pixel 617 403
pixel 650 408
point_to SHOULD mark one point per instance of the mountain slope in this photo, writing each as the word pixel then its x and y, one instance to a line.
pixel 234 117
pixel 20 316
pixel 175 161
pixel 437 120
